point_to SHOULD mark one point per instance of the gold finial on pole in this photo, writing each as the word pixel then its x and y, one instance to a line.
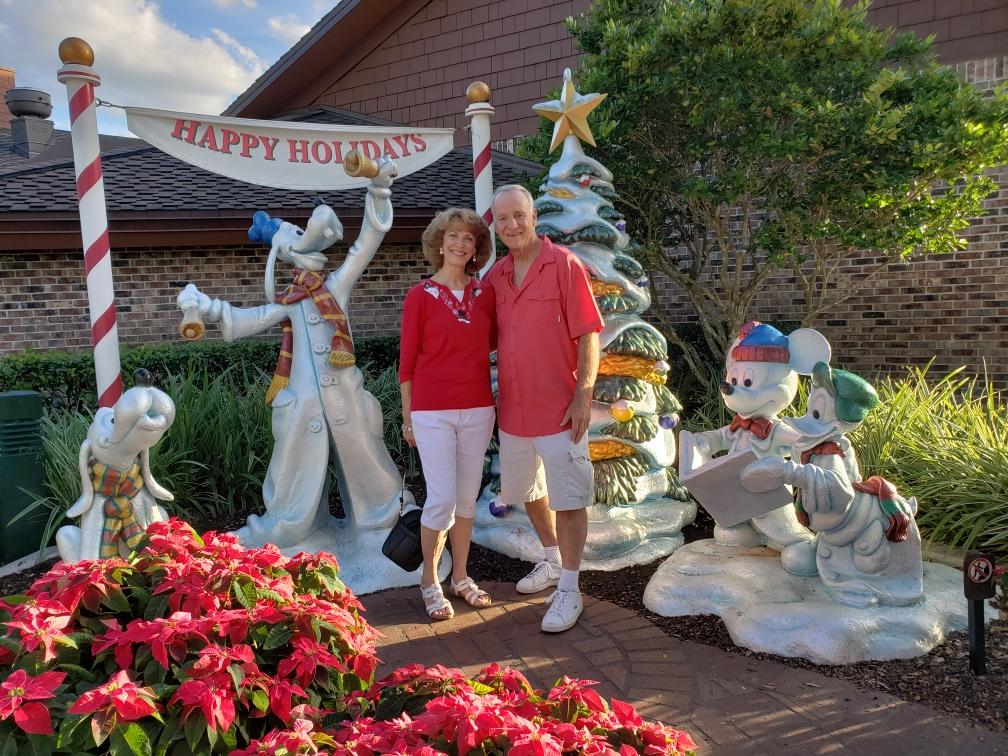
pixel 76 50
pixel 478 91
pixel 357 165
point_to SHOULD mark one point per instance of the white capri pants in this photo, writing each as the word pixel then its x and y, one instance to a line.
pixel 452 446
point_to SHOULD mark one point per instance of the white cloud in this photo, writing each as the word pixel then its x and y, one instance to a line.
pixel 142 59
pixel 245 53
pixel 232 3
pixel 288 29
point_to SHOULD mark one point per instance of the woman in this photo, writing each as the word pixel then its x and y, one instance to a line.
pixel 448 407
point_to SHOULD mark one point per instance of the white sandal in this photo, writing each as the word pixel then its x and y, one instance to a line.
pixel 471 593
pixel 435 602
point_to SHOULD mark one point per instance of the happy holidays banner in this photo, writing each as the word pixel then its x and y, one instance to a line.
pixel 284 154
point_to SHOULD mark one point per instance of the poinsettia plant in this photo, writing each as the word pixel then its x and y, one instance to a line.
pixel 198 646
pixel 418 710
pixel 193 645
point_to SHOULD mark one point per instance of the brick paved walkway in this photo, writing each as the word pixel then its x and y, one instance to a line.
pixel 730 704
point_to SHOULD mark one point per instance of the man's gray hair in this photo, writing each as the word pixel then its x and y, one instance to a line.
pixel 513 188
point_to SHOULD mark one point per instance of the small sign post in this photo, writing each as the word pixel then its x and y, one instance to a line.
pixel 978 585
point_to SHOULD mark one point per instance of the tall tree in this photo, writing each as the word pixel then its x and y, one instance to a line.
pixel 749 136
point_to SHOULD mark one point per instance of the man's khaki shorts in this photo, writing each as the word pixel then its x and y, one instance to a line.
pixel 537 466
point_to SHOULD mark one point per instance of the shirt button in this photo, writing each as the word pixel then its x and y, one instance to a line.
pixel 326 380
pixel 314 318
pixel 315 426
pixel 321 348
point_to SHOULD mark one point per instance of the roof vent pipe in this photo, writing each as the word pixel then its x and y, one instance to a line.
pixel 31 133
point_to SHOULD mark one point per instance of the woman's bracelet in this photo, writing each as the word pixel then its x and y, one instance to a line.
pixel 407 428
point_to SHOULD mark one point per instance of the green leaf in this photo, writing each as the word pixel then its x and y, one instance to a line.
pixel 277 637
pixel 73 733
pixel 194 728
pixel 156 607
pixel 129 740
pixel 77 671
pixel 116 600
pixel 169 734
pixel 260 700
pixel 244 593
pixel 8 744
pixel 38 745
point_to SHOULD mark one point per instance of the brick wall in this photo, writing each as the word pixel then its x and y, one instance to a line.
pixel 963 29
pixel 952 308
pixel 420 73
pixel 44 299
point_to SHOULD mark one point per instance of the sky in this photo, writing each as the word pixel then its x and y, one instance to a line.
pixel 187 55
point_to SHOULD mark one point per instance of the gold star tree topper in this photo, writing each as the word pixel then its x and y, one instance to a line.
pixel 570 113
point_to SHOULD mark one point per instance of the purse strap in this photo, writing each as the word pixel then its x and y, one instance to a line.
pixel 408 467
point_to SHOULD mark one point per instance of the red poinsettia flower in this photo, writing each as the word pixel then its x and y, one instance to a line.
pixel 84 582
pixel 281 694
pixel 578 691
pixel 535 743
pixel 214 658
pixel 41 630
pixel 213 695
pixel 19 688
pixel 169 636
pixel 118 638
pixel 120 697
pixel 307 656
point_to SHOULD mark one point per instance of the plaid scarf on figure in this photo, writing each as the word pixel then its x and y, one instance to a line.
pixel 119 487
pixel 308 283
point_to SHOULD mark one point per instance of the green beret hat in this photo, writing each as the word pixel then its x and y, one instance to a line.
pixel 854 396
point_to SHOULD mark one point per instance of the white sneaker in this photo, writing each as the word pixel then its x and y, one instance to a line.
pixel 544 575
pixel 565 608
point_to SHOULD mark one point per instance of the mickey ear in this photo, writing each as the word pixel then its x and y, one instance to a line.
pixel 807 347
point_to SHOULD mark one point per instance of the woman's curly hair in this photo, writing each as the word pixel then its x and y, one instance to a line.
pixel 433 237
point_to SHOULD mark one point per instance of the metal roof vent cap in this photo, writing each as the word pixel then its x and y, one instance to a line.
pixel 25 101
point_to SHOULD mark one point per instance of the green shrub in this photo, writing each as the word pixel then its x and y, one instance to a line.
pixel 66 379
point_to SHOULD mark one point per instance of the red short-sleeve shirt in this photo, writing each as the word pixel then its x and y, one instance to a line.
pixel 538 327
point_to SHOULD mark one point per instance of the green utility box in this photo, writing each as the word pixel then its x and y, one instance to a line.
pixel 21 458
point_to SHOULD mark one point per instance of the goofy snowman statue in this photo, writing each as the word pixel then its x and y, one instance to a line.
pixel 317 396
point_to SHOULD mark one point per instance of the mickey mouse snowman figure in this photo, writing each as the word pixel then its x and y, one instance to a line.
pixel 761 380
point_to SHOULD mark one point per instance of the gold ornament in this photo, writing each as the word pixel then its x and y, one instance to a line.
pixel 569 113
pixel 76 50
pixel 635 367
pixel 561 193
pixel 601 288
pixel 608 450
pixel 621 410
pixel 478 91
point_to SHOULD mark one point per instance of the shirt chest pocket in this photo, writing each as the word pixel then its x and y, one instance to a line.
pixel 544 309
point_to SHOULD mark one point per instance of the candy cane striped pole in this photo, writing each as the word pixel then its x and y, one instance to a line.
pixel 80 81
pixel 478 113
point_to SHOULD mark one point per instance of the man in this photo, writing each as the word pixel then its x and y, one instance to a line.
pixel 547 359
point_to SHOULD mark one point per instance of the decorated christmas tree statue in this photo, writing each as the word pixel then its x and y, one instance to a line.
pixel 640 508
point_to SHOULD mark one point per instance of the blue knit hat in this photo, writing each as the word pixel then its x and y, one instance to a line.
pixel 761 343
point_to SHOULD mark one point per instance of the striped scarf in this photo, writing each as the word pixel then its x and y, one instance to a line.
pixel 894 507
pixel 308 283
pixel 118 487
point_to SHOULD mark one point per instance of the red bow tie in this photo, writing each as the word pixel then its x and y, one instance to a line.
pixel 758 426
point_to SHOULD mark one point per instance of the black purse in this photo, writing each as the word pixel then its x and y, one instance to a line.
pixel 402 544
